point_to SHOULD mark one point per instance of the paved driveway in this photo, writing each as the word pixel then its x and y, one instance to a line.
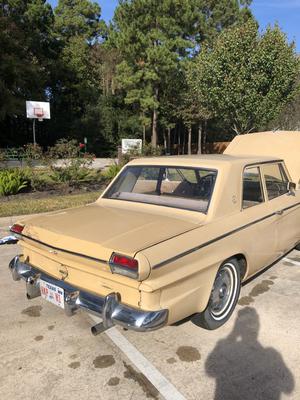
pixel 46 355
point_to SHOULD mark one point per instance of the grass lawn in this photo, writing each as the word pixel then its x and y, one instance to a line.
pixel 51 203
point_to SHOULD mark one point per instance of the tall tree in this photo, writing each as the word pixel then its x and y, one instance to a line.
pixel 153 38
pixel 151 35
pixel 219 15
pixel 246 78
pixel 26 43
pixel 78 28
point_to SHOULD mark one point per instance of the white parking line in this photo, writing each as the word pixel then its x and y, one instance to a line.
pixel 291 261
pixel 166 389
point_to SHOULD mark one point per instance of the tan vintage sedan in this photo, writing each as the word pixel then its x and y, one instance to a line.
pixel 170 238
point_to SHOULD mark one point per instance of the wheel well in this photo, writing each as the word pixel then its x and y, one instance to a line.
pixel 242 263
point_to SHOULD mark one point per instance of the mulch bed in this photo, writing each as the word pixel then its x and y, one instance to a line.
pixel 60 190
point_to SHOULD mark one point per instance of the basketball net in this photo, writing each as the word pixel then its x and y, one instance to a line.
pixel 39 113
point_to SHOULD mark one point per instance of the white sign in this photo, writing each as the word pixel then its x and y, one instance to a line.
pixel 38 109
pixel 131 145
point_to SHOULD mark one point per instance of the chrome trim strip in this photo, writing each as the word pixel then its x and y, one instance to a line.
pixel 263 162
pixel 187 252
pixel 63 250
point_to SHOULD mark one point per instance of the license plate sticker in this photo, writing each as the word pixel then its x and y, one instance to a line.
pixel 52 293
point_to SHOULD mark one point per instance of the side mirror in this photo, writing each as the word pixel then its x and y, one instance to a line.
pixel 291 187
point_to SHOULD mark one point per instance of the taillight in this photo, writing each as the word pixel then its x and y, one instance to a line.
pixel 120 264
pixel 16 228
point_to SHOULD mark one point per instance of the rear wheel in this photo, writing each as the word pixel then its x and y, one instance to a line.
pixel 223 298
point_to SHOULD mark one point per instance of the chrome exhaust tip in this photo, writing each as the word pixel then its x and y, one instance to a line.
pixel 111 302
pixel 99 328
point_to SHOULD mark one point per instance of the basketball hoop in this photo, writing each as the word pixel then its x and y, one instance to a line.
pixel 37 110
pixel 39 113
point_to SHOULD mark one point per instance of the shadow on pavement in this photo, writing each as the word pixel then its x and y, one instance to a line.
pixel 243 368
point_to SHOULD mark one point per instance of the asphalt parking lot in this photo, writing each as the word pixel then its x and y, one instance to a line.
pixel 46 355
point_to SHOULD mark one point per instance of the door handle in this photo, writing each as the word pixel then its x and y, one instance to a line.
pixel 279 212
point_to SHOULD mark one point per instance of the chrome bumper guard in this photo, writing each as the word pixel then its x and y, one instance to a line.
pixel 109 308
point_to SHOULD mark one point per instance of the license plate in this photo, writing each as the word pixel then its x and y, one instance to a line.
pixel 52 293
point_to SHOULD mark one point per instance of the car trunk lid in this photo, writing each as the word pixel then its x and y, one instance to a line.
pixel 98 230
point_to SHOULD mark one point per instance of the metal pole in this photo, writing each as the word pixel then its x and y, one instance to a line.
pixel 33 129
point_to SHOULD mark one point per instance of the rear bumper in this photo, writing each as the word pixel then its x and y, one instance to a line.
pixel 109 308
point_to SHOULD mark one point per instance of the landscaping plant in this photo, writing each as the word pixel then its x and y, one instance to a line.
pixel 12 181
pixel 66 163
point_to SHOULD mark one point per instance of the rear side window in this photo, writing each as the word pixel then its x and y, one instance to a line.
pixel 276 180
pixel 252 187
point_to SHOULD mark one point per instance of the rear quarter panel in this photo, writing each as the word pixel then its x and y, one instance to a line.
pixel 184 268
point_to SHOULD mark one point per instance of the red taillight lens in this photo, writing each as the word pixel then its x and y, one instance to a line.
pixel 125 261
pixel 16 228
pixel 124 265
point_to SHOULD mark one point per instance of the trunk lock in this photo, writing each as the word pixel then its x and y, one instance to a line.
pixel 62 269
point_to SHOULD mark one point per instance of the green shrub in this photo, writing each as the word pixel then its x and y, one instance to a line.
pixel 3 157
pixel 64 149
pixel 32 152
pixel 149 150
pixel 12 181
pixel 66 163
pixel 112 171
pixel 70 174
pixel 39 179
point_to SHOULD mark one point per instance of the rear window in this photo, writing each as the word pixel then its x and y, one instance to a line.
pixel 178 187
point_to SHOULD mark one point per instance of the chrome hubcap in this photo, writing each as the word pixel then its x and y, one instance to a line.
pixel 222 291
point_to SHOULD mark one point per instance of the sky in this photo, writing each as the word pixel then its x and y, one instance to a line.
pixel 284 12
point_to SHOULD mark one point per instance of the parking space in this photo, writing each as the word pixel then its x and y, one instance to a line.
pixel 46 355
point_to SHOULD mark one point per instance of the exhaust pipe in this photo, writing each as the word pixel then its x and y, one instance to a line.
pixel 98 328
pixel 111 302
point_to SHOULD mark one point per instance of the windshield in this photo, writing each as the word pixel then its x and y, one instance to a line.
pixel 179 187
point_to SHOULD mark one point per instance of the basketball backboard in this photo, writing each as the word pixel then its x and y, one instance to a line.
pixel 38 109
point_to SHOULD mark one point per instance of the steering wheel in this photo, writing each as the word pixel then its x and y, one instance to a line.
pixel 205 184
pixel 275 189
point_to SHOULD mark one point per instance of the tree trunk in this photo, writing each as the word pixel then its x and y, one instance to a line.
pixel 183 143
pixel 190 140
pixel 144 135
pixel 113 86
pixel 204 136
pixel 178 140
pixel 169 140
pixel 165 142
pixel 199 138
pixel 154 122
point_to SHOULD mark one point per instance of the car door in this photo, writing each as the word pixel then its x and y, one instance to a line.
pixel 262 229
pixel 285 206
